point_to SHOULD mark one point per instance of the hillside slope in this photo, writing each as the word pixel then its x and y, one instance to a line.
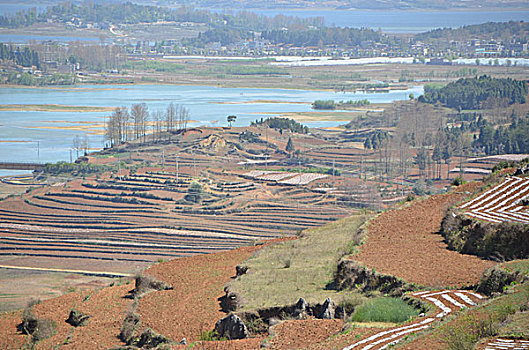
pixel 405 243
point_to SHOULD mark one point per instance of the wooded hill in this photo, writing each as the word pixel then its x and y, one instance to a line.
pixel 508 30
pixel 473 93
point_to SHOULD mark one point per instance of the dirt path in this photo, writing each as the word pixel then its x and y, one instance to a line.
pixel 81 272
pixel 404 243
pixel 446 302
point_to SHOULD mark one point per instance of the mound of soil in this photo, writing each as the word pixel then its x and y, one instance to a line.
pixel 405 243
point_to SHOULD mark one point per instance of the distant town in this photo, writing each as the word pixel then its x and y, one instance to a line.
pixel 126 33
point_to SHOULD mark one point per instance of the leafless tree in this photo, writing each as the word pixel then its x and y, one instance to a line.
pixel 85 144
pixel 158 120
pixel 117 127
pixel 140 116
pixel 170 117
pixel 77 144
pixel 183 118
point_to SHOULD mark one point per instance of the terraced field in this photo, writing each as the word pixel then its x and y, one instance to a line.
pixel 502 203
pixel 445 301
pixel 143 210
pixel 145 218
pixel 506 344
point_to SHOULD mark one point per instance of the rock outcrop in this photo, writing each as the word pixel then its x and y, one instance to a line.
pixel 328 309
pixel 231 327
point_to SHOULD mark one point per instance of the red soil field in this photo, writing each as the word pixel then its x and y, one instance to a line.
pixel 302 333
pixel 186 311
pixel 106 307
pixel 404 243
pixel 192 306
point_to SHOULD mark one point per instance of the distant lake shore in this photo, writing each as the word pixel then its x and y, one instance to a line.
pixel 46 135
pixel 336 61
pixel 403 21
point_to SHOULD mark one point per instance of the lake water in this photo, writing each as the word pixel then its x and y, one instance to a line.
pixel 24 38
pixel 403 21
pixel 54 131
pixel 12 8
pixel 393 21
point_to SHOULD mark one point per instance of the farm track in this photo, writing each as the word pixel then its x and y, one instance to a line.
pixel 102 239
pixel 101 248
pixel 82 272
pixel 61 242
pixel 502 203
pixel 445 301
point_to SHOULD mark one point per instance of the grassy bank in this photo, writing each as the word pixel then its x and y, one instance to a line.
pixel 280 274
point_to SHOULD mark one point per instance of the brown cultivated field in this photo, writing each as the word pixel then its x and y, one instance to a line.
pixel 140 210
pixel 137 213
pixel 405 243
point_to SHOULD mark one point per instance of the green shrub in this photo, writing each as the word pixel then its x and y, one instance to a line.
pixel 504 241
pixel 458 181
pixel 351 302
pixel 77 318
pixel 324 104
pixel 209 336
pixel 467 333
pixel 145 284
pixel 149 339
pixel 384 309
pixel 194 193
pixel 38 328
pixel 419 188
pixel 495 280
pixel 74 168
pixel 129 328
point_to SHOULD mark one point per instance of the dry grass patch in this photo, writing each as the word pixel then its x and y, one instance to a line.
pixel 280 274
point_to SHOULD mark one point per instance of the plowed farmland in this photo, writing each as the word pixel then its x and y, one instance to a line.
pixel 186 311
pixel 405 243
pixel 502 203
pixel 140 207
pixel 206 198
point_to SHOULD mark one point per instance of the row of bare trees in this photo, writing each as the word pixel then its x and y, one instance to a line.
pixel 81 144
pixel 123 126
pixel 395 155
pixel 420 137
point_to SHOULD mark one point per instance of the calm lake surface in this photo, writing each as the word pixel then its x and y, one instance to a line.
pixel 9 8
pixel 403 21
pixel 393 21
pixel 24 133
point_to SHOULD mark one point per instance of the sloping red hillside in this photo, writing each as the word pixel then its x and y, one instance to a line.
pixel 404 243
pixel 190 308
